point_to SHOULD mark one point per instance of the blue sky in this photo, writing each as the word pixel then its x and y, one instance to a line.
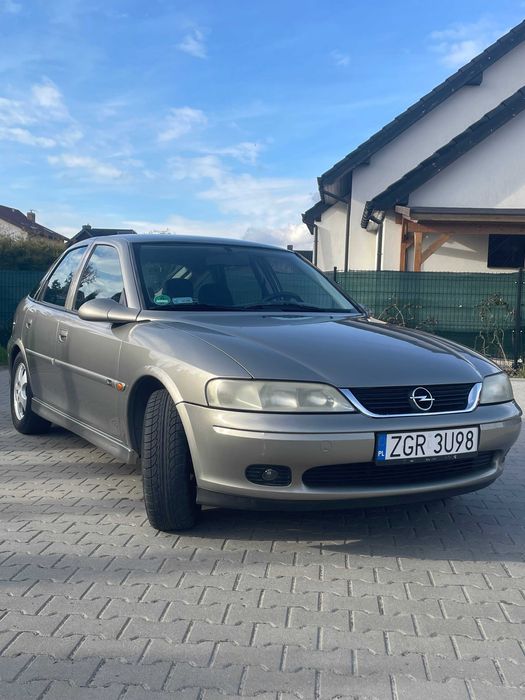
pixel 210 116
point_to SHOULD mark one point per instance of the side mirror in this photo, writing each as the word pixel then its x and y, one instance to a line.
pixel 107 310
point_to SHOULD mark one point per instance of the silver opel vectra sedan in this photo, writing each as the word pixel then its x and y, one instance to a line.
pixel 240 376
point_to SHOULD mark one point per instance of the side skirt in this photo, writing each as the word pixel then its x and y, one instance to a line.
pixel 107 443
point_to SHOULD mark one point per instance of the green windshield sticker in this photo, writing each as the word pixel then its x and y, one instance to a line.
pixel 162 299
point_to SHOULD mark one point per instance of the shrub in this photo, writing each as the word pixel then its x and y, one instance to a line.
pixel 28 254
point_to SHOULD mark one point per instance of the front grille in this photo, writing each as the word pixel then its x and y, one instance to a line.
pixel 392 400
pixel 370 474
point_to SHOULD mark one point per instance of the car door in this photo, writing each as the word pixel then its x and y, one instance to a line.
pixel 39 333
pixel 88 352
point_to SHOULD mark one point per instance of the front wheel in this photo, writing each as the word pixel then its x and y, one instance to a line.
pixel 22 415
pixel 167 471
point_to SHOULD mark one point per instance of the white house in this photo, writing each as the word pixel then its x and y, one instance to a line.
pixel 18 226
pixel 442 186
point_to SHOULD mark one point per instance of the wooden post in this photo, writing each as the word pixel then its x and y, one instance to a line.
pixel 418 251
pixel 404 246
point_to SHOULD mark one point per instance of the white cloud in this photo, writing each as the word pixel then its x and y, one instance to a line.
pixel 460 42
pixel 24 136
pixel 70 136
pixel 262 207
pixel 185 225
pixel 14 112
pixel 181 121
pixel 42 108
pixel 245 152
pixel 89 167
pixel 196 168
pixel 47 96
pixel 339 58
pixel 273 201
pixel 296 234
pixel 193 44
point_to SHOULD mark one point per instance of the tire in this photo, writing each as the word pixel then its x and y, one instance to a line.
pixel 24 419
pixel 167 471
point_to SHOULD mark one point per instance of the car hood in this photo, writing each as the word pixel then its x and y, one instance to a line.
pixel 344 351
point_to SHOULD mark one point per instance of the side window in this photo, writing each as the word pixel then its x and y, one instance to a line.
pixel 101 277
pixel 58 284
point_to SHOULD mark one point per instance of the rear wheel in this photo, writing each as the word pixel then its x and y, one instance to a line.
pixel 167 471
pixel 22 415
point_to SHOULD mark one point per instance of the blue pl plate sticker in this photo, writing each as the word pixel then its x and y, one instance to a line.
pixel 182 300
pixel 381 447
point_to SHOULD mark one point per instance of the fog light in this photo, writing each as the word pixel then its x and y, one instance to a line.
pixel 269 475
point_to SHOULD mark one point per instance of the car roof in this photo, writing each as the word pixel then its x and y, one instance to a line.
pixel 125 238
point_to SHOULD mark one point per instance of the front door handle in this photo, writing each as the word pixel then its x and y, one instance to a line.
pixel 29 322
pixel 62 336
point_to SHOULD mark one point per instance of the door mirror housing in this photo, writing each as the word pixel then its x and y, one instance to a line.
pixel 107 310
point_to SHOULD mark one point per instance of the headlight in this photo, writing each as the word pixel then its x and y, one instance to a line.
pixel 279 397
pixel 496 389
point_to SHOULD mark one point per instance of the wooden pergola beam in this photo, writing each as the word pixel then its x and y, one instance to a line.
pixel 431 249
pixel 472 229
pixel 412 232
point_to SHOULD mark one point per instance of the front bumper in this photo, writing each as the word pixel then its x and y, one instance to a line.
pixel 224 443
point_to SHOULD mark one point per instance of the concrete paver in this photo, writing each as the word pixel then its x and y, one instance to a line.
pixel 403 602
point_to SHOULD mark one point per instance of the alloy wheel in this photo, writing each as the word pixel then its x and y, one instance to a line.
pixel 20 391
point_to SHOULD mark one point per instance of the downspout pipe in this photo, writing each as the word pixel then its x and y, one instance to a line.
pixel 347 234
pixel 379 250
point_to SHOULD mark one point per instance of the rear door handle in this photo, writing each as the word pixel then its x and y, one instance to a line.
pixel 62 336
pixel 28 323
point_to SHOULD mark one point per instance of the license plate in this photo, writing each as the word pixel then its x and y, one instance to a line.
pixel 426 444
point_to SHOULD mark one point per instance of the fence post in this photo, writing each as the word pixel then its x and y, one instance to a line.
pixel 517 322
pixel 335 273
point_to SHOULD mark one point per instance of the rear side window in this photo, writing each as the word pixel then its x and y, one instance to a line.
pixel 101 277
pixel 57 287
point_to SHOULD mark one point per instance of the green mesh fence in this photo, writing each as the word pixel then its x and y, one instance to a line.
pixel 14 284
pixel 475 309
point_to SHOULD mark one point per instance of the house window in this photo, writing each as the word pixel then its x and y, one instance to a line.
pixel 506 251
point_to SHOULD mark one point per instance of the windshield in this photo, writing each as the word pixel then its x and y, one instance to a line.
pixel 200 277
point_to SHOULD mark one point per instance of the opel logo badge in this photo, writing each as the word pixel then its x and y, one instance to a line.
pixel 421 399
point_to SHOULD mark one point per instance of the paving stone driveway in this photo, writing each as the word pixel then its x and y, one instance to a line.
pixel 425 601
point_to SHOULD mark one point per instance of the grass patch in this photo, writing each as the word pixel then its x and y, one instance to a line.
pixel 3 356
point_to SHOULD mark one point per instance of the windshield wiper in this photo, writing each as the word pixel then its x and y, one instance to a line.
pixel 284 307
pixel 195 307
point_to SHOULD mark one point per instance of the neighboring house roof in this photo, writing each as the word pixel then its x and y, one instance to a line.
pixel 88 232
pixel 21 221
pixel 337 180
pixel 399 191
